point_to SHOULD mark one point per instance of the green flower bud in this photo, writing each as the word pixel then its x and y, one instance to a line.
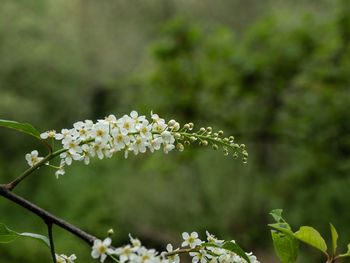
pixel 110 232
pixel 215 147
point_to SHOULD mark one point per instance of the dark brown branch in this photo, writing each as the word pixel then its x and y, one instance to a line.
pixel 46 216
pixel 52 246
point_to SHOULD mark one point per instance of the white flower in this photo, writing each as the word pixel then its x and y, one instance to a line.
pixel 100 249
pixel 60 170
pixel 32 158
pixel 64 259
pixel 145 130
pixel 48 134
pixel 68 157
pixel 139 145
pixel 168 147
pixel 252 258
pixel 167 137
pixel 199 256
pixel 172 258
pixel 191 240
pixel 126 125
pixel 124 253
pixel 137 119
pixel 72 145
pixel 136 243
pixel 212 239
pixel 100 132
pixel 147 255
pixel 155 144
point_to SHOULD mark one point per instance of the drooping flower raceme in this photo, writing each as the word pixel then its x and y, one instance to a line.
pixel 212 251
pixel 132 134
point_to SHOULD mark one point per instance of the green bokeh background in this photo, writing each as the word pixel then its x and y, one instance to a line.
pixel 275 74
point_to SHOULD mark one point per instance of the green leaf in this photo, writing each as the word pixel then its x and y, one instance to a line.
pixel 286 246
pixel 347 254
pixel 22 127
pixel 311 236
pixel 282 227
pixel 41 238
pixel 334 238
pixel 277 214
pixel 231 246
pixel 7 235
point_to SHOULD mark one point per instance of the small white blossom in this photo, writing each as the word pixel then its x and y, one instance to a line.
pixel 48 134
pixel 173 258
pixel 32 158
pixel 64 259
pixel 191 240
pixel 100 249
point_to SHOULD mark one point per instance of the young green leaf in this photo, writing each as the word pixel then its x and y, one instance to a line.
pixel 231 246
pixel 41 238
pixel 312 237
pixel 347 254
pixel 22 127
pixel 277 215
pixel 334 238
pixel 282 227
pixel 7 235
pixel 286 246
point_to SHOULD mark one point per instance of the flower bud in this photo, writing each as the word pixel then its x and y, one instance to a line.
pixel 171 123
pixel 245 160
pixel 209 129
pixel 235 155
pixel 216 134
pixel 232 138
pixel 110 232
pixel 192 139
pixel 191 125
pixel 180 147
pixel 220 132
pixel 205 143
pixel 187 143
pixel 176 126
pixel 245 153
pixel 242 146
pixel 177 136
pixel 201 130
pixel 186 126
pixel 215 147
pixel 225 140
pixel 225 151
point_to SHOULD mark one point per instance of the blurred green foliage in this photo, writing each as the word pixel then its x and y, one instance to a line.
pixel 279 83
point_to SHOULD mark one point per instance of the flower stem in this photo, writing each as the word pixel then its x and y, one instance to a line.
pixel 27 172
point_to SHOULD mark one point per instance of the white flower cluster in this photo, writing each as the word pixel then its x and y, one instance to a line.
pixel 199 250
pixel 130 133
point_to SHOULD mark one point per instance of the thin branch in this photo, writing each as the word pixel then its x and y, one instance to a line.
pixel 52 247
pixel 46 216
